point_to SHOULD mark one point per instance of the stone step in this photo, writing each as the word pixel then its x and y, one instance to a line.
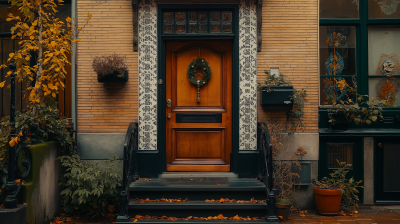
pixel 160 221
pixel 196 188
pixel 197 208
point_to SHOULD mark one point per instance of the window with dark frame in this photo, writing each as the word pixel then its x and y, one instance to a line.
pixel 8 45
pixel 368 52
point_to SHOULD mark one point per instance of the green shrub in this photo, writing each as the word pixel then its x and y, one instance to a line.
pixel 48 125
pixel 90 187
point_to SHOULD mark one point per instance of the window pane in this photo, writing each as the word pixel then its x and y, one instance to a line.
pixel 385 89
pixel 333 89
pixel 383 9
pixel 383 51
pixel 338 8
pixel 340 152
pixel 168 16
pixel 180 16
pixel 345 50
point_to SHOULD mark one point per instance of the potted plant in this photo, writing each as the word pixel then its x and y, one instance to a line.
pixel 284 182
pixel 278 94
pixel 111 68
pixel 336 191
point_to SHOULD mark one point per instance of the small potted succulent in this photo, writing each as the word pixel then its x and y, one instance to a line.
pixel 110 68
pixel 336 191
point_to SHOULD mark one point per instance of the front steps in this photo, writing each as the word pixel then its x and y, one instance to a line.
pixel 197 188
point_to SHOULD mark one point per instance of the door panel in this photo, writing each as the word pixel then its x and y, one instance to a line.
pixel 387 177
pixel 198 139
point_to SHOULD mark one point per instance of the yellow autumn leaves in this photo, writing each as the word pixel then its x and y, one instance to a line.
pixel 45 34
pixel 15 140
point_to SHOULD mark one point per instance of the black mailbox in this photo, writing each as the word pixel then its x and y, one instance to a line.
pixel 277 97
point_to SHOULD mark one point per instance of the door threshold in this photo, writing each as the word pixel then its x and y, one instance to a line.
pixel 197 174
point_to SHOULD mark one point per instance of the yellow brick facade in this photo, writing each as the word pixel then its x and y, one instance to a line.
pixel 290 42
pixel 106 108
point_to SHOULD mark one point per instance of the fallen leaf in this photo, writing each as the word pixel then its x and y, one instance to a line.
pixel 216 183
pixel 135 220
pixel 111 208
pixel 302 215
pixel 281 218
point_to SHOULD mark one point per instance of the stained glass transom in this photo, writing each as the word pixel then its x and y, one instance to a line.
pixel 197 22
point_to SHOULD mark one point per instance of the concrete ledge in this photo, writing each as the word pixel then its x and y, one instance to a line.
pixel 309 141
pixel 100 145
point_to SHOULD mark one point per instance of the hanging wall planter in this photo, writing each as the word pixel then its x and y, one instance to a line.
pixel 277 97
pixel 110 68
pixel 304 173
pixel 114 77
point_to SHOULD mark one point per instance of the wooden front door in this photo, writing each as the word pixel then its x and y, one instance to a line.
pixel 199 134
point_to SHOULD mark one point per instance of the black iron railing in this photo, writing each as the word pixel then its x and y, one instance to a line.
pixel 19 157
pixel 265 169
pixel 129 170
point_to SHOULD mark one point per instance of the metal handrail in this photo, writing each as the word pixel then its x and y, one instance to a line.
pixel 129 169
pixel 265 170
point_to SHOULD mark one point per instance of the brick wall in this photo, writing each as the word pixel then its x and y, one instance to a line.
pixel 106 107
pixel 290 42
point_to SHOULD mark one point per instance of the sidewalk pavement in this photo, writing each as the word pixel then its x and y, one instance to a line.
pixel 366 215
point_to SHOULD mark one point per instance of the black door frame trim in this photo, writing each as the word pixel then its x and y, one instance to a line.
pixel 147 165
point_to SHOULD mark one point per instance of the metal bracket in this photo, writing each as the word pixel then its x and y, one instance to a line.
pixel 259 24
pixel 135 24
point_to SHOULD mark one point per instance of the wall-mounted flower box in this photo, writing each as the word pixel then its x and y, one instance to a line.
pixel 115 77
pixel 304 173
pixel 277 97
pixel 341 121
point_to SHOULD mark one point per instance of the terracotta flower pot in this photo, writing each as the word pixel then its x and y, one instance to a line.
pixel 328 201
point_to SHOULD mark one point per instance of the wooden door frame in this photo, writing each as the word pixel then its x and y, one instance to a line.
pixel 161 90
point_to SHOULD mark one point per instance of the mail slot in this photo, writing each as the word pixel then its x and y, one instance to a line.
pixel 277 97
pixel 199 118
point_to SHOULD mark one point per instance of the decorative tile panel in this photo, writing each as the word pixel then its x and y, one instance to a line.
pixel 148 75
pixel 247 75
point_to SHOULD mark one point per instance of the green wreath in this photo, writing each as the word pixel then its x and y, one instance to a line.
pixel 202 64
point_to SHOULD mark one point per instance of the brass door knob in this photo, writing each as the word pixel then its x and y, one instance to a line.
pixel 169 102
pixel 169 115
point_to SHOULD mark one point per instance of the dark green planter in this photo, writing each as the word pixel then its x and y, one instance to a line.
pixel 115 77
pixel 277 97
pixel 304 173
pixel 341 121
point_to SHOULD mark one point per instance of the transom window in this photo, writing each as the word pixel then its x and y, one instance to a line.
pixel 180 22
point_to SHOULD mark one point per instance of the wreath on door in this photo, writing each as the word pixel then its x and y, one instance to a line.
pixel 199 63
